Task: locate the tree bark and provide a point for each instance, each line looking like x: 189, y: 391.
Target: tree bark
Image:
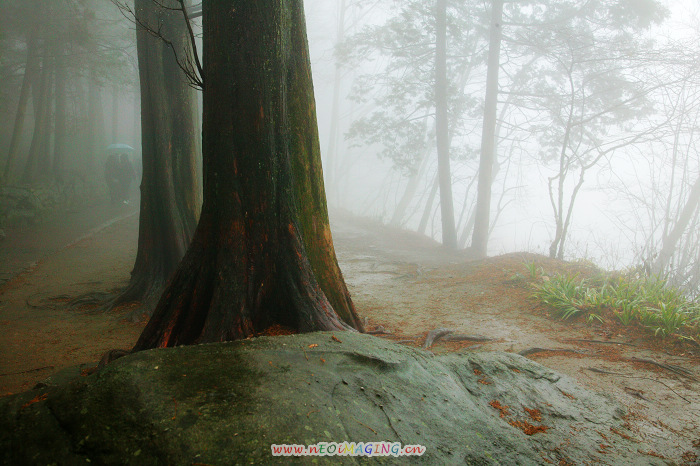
x: 248, y: 266
x: 480, y: 236
x: 307, y: 173
x: 170, y: 199
x: 449, y: 235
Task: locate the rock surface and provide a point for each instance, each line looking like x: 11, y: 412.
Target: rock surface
x: 224, y: 404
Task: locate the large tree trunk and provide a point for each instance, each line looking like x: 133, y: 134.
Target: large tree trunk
x: 480, y: 237
x: 29, y: 71
x: 247, y: 267
x: 170, y: 199
x: 307, y: 173
x: 449, y: 235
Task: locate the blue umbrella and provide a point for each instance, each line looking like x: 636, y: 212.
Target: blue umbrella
x: 112, y: 148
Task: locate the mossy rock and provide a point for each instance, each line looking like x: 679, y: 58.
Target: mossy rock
x: 225, y: 404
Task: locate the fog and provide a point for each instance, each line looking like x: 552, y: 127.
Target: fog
x: 612, y: 221
x: 517, y: 177
x: 620, y: 213
x: 615, y: 218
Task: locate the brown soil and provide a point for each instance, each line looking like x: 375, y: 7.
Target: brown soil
x: 401, y: 281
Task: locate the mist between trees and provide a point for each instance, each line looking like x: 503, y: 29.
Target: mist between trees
x: 556, y: 126
x: 584, y: 113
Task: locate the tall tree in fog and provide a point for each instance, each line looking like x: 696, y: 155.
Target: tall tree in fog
x: 673, y: 235
x: 482, y: 223
x: 332, y: 152
x: 170, y: 199
x: 30, y: 68
x: 449, y: 234
x: 403, y: 92
x: 251, y: 262
x: 41, y: 96
x: 677, y: 256
x: 586, y: 100
x: 53, y: 48
x: 662, y: 212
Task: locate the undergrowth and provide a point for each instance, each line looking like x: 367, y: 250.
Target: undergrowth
x: 649, y: 302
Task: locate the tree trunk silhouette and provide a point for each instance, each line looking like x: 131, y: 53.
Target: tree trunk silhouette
x: 41, y: 122
x: 248, y: 266
x: 96, y: 137
x: 29, y: 71
x: 170, y: 199
x: 332, y: 155
x: 60, y: 139
x: 449, y: 235
x: 480, y: 236
x: 428, y: 208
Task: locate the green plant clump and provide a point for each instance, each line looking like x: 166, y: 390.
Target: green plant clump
x: 649, y: 302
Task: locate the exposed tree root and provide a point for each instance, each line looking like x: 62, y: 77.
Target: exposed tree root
x: 110, y: 356
x: 27, y: 371
x: 669, y: 367
x: 462, y: 337
x: 90, y: 300
x: 142, y: 296
x: 601, y: 342
x: 95, y: 299
x: 379, y: 330
x: 449, y: 335
x: 529, y: 351
x: 434, y: 335
x: 602, y: 371
x: 636, y: 393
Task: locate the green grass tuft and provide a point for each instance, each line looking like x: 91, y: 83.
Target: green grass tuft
x: 648, y: 301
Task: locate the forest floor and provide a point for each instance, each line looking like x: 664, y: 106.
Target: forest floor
x: 400, y: 281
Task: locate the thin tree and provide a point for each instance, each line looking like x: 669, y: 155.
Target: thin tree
x: 30, y: 68
x: 673, y: 237
x: 482, y: 224
x: 449, y: 234
x: 248, y: 266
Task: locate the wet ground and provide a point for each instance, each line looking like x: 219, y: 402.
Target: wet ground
x: 401, y: 281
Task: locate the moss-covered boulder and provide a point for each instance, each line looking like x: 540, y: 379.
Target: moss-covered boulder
x: 225, y: 404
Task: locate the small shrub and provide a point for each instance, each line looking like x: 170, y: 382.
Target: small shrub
x: 533, y: 269
x: 648, y: 301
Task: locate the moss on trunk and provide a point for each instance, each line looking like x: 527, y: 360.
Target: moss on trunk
x: 248, y: 266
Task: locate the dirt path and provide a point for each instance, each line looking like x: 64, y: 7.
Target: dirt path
x: 24, y: 245
x: 398, y: 280
x: 38, y: 339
